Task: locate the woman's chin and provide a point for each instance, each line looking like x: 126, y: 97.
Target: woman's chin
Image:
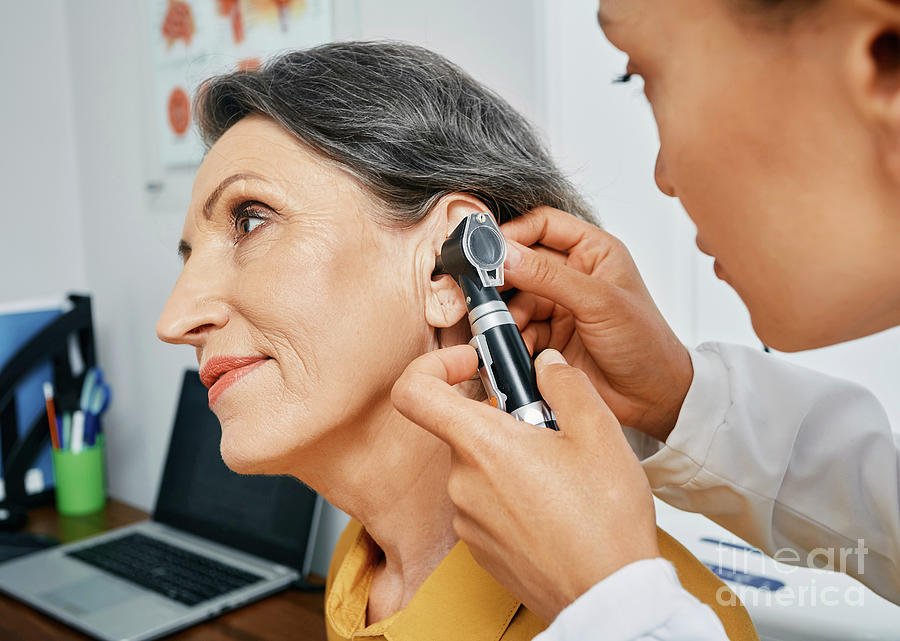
x: 241, y: 463
x: 245, y: 456
x: 247, y: 449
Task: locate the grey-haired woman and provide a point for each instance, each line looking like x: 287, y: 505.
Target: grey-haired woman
x: 332, y: 178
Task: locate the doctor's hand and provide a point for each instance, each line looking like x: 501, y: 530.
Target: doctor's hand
x: 581, y: 294
x: 549, y: 514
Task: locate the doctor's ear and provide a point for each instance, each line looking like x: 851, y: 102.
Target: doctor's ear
x: 877, y: 65
x: 444, y: 304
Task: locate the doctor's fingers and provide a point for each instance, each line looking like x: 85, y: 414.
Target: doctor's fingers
x: 528, y: 310
x: 526, y: 307
x: 587, y: 248
x: 557, y: 333
x: 424, y: 395
x: 557, y: 257
x: 560, y: 231
x: 592, y: 299
x: 536, y: 337
x: 580, y: 411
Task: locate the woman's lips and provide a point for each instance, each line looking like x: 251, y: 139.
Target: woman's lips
x: 220, y: 373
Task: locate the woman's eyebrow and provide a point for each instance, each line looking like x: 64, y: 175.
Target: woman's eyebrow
x: 184, y: 249
x: 217, y: 192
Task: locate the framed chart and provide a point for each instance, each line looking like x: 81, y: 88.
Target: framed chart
x: 191, y: 40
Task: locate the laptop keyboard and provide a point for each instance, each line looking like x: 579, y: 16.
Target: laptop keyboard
x: 165, y: 569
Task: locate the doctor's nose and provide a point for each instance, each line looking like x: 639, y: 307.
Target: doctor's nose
x: 195, y: 307
x: 662, y: 177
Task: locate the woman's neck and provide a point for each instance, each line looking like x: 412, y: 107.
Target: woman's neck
x: 392, y: 477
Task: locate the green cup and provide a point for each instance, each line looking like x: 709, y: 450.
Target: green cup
x: 79, y: 478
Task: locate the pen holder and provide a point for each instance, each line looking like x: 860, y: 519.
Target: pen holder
x: 80, y: 486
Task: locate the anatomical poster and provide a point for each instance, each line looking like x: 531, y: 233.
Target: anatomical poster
x: 194, y: 39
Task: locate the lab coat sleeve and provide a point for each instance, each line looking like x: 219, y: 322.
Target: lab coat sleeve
x: 642, y: 601
x: 802, y: 465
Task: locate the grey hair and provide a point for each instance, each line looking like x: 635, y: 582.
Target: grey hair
x: 407, y: 123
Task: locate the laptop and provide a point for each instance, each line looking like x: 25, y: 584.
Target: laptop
x: 216, y: 541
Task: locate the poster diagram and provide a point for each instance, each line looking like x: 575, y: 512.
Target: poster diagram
x: 194, y: 39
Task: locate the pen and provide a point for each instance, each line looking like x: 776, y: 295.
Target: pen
x: 51, y: 414
x: 67, y: 430
x: 77, y: 432
x: 87, y: 390
x: 91, y: 425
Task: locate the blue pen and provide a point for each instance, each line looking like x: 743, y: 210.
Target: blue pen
x: 90, y: 428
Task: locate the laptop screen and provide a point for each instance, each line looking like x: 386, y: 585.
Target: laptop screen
x: 269, y: 516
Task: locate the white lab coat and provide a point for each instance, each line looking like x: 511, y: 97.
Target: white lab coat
x: 782, y: 456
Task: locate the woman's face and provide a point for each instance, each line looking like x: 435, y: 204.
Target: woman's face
x: 287, y: 273
x: 764, y: 139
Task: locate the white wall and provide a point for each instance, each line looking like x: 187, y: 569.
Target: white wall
x: 604, y: 136
x: 41, y: 248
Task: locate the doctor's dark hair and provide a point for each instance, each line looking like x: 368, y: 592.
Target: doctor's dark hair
x: 408, y: 124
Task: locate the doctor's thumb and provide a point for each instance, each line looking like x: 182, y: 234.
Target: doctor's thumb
x: 571, y: 395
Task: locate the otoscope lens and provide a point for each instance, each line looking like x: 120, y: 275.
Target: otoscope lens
x: 485, y: 246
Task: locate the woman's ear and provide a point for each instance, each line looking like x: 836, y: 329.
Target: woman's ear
x: 444, y: 304
x: 444, y: 307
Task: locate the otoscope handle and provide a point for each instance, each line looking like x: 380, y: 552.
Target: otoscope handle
x: 505, y: 366
x: 473, y: 255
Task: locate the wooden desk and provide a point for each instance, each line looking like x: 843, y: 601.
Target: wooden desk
x: 290, y: 615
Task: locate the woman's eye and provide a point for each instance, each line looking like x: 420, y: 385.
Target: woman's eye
x: 249, y: 223
x: 623, y: 78
x: 246, y: 218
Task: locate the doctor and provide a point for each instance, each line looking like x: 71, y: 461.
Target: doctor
x: 779, y: 123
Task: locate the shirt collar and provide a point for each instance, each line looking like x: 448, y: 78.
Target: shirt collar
x: 459, y: 600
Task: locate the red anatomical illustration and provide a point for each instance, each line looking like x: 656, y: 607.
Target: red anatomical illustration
x: 178, y: 23
x: 231, y: 9
x: 179, y: 111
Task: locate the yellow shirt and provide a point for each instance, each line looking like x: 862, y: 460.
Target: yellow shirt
x: 460, y: 601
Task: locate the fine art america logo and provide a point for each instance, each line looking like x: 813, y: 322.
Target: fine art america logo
x: 740, y: 561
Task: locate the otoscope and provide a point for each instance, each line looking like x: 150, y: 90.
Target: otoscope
x: 473, y: 255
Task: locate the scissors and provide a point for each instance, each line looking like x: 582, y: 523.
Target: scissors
x: 96, y: 395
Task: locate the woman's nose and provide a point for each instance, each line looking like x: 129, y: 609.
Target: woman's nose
x: 194, y: 309
x: 662, y: 178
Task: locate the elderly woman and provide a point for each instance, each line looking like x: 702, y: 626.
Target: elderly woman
x: 332, y: 178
